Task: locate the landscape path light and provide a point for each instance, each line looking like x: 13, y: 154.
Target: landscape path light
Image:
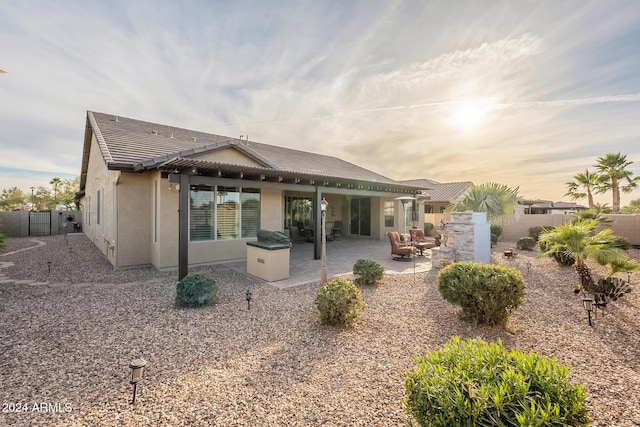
x: 137, y: 372
x: 588, y: 306
x: 248, y: 296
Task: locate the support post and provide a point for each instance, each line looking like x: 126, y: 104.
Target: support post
x: 183, y: 226
x: 317, y: 228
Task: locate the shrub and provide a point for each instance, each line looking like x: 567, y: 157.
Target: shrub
x: 496, y: 229
x: 534, y: 232
x: 526, y: 244
x: 369, y: 272
x: 494, y: 239
x: 428, y: 228
x: 487, y: 293
x: 474, y: 383
x: 195, y: 290
x: 339, y: 302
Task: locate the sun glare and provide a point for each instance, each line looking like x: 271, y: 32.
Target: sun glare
x: 469, y: 114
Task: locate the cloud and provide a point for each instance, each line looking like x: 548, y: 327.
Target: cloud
x: 374, y: 82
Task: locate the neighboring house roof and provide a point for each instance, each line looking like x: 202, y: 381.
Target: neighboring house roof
x: 440, y: 191
x: 548, y: 204
x: 135, y: 146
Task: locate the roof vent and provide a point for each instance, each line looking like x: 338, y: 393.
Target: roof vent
x: 154, y: 132
x: 117, y: 119
x: 194, y: 139
x: 172, y: 137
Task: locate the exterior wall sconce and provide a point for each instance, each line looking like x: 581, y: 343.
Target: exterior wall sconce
x: 323, y: 209
x: 137, y: 371
x: 588, y: 306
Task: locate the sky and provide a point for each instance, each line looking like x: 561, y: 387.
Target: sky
x: 523, y: 93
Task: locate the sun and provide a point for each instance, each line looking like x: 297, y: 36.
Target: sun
x: 469, y: 114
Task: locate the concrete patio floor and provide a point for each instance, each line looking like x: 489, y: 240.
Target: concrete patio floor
x: 341, y: 256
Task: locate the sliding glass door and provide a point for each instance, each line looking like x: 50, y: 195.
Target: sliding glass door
x: 361, y: 216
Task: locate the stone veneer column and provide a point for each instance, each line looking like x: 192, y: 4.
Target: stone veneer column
x: 462, y: 242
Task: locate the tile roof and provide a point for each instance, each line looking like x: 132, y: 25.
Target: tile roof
x: 440, y: 191
x: 134, y: 145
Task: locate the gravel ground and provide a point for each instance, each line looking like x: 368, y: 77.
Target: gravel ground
x: 68, y: 342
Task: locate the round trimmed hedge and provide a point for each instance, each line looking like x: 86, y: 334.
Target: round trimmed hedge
x: 487, y: 293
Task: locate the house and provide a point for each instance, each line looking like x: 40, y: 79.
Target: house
x: 437, y: 197
x: 151, y: 193
x: 540, y: 207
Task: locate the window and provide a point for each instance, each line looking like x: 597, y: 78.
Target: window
x: 389, y: 213
x: 250, y: 210
x: 223, y: 213
x: 298, y: 210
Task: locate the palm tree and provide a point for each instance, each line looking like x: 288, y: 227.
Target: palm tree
x: 586, y: 181
x: 577, y: 242
x: 613, y: 171
x: 496, y: 200
x: 55, y: 182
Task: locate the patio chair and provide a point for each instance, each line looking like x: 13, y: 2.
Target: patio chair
x: 403, y: 252
x: 420, y: 240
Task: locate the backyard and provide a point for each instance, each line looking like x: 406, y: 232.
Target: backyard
x: 69, y: 331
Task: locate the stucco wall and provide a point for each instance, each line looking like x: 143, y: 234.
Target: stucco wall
x: 271, y: 209
x: 133, y: 193
x: 100, y: 179
x: 517, y: 226
x: 165, y: 250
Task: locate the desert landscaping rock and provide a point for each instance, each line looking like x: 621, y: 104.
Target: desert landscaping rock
x: 70, y: 339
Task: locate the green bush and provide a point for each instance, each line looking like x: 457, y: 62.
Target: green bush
x: 494, y: 239
x: 534, y: 232
x: 496, y: 229
x: 428, y: 228
x: 369, y: 272
x: 474, y: 383
x: 339, y: 302
x: 487, y: 293
x: 195, y: 290
x: 526, y: 244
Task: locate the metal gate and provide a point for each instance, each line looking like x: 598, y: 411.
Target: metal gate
x: 39, y: 223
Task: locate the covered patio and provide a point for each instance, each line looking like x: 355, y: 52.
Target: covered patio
x: 341, y: 256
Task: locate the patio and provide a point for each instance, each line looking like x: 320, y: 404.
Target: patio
x: 341, y: 256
